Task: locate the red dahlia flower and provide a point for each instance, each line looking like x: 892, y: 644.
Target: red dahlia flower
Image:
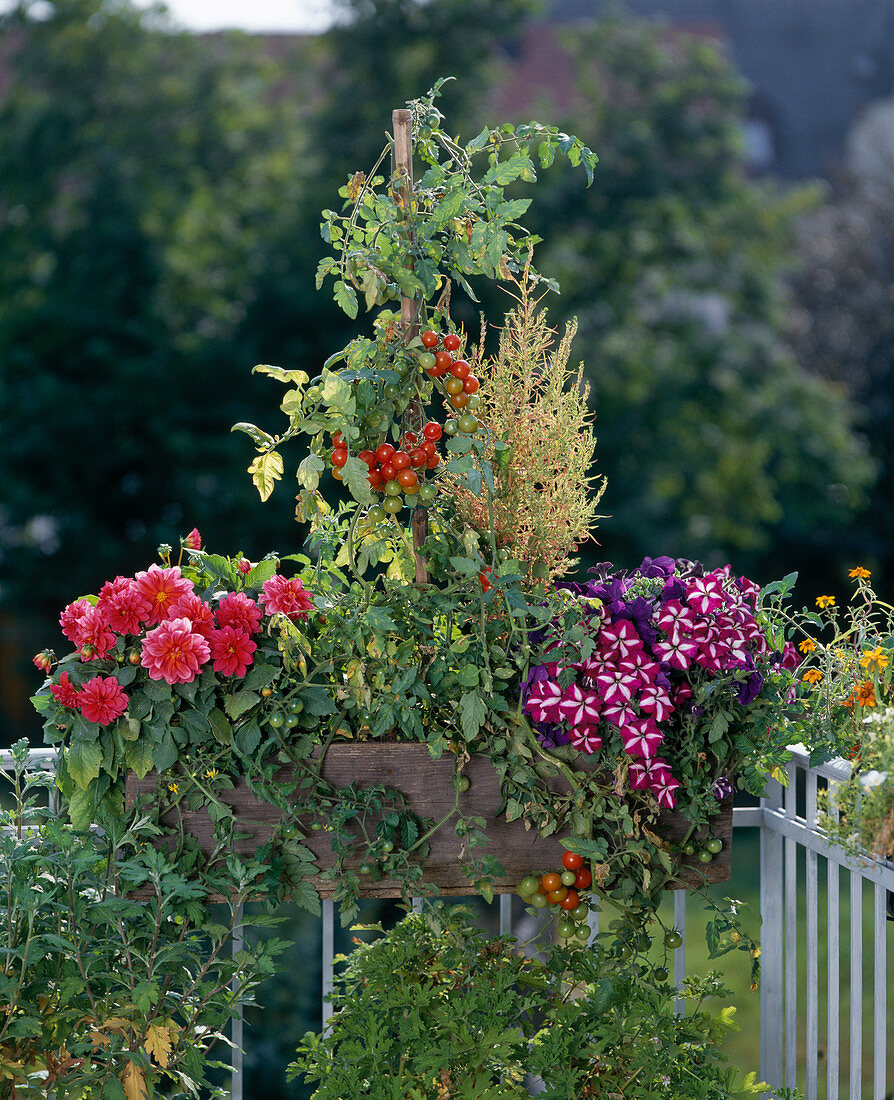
x: 101, y: 700
x: 174, y: 652
x: 162, y: 588
x: 286, y: 595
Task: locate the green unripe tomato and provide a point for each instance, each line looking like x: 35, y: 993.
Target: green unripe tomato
x: 427, y: 493
x: 392, y: 488
x: 392, y: 505
x: 372, y: 420
x: 295, y: 706
x: 461, y: 783
x: 365, y: 868
x: 451, y: 427
x: 660, y: 974
x: 539, y: 901
x: 582, y: 935
x: 376, y: 514
x: 581, y: 912
x: 290, y: 721
x: 566, y: 929
x: 673, y: 940
x: 568, y: 878
x: 705, y: 856
x: 528, y: 886
x: 392, y: 390
x: 276, y: 720
x: 689, y: 848
x: 426, y: 360
x: 453, y: 386
x: 425, y: 132
x: 388, y: 846
x: 642, y: 942
x: 714, y: 845
x: 474, y: 403
x: 625, y: 951
x: 467, y: 423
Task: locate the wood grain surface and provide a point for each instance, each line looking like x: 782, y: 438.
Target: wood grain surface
x: 428, y: 787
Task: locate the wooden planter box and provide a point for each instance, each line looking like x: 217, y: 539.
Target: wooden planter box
x: 427, y: 785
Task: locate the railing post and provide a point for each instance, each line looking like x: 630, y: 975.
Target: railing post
x: 772, y: 940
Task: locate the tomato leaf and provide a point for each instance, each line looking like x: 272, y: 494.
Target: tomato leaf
x: 266, y: 470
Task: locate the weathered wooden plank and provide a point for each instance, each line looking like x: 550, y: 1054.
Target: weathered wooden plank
x: 427, y: 785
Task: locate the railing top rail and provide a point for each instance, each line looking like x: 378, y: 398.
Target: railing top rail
x: 40, y: 759
x: 837, y: 768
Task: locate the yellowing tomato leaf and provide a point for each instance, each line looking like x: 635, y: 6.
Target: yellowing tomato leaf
x: 266, y: 470
x: 133, y: 1082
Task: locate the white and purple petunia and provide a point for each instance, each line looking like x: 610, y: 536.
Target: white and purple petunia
x: 579, y: 707
x: 585, y: 739
x: 641, y: 738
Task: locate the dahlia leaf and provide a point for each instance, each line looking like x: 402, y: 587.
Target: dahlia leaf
x: 84, y: 760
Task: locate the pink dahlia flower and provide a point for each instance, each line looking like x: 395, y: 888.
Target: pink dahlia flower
x: 93, y: 636
x: 71, y: 616
x: 162, y: 588
x: 232, y: 651
x: 102, y: 700
x: 65, y: 692
x: 174, y: 652
x: 43, y: 660
x: 197, y: 611
x: 124, y: 607
x: 286, y: 595
x: 238, y: 610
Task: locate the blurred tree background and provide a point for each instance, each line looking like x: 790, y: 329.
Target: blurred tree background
x: 159, y: 208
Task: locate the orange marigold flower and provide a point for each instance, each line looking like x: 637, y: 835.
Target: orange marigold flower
x: 848, y: 702
x: 812, y: 676
x: 859, y: 572
x: 866, y: 694
x: 875, y: 659
x: 807, y: 646
x: 825, y: 601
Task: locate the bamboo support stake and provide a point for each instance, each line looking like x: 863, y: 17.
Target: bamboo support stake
x: 401, y: 120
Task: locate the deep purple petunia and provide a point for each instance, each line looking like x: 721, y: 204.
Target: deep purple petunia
x: 656, y: 567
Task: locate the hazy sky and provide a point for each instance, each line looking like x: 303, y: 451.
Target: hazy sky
x: 252, y: 15
x: 249, y: 15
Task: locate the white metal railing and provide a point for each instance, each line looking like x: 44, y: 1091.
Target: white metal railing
x: 785, y: 832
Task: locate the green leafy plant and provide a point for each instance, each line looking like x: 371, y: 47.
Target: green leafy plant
x: 104, y: 994
x: 435, y: 1009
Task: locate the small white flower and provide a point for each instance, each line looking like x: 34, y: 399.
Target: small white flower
x: 872, y: 779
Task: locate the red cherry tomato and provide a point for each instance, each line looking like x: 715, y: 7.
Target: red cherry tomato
x: 432, y: 462
x: 400, y: 460
x: 338, y: 440
x: 558, y: 896
x: 571, y: 861
x: 429, y: 446
x: 408, y: 478
x: 461, y: 369
x: 551, y: 881
x: 471, y: 384
x: 571, y: 900
x: 410, y: 440
x: 384, y: 451
x: 486, y: 585
x: 443, y: 361
x: 432, y: 431
x: 375, y: 479
x: 369, y: 457
x: 388, y: 471
x: 583, y: 880
x: 340, y: 457
x: 451, y: 341
x: 459, y: 400
x: 429, y: 339
x: 418, y: 458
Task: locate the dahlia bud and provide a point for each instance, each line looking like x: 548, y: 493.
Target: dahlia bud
x: 44, y: 660
x: 244, y: 565
x: 193, y: 540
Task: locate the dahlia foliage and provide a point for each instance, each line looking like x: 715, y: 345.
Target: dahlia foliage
x: 651, y: 647
x: 158, y: 621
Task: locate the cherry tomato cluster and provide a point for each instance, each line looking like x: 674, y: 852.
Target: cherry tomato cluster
x: 563, y: 889
x: 397, y: 472
x: 454, y: 377
x: 705, y: 850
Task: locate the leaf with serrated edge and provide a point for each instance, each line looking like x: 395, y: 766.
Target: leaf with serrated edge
x: 157, y: 1044
x: 133, y: 1082
x: 266, y: 470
